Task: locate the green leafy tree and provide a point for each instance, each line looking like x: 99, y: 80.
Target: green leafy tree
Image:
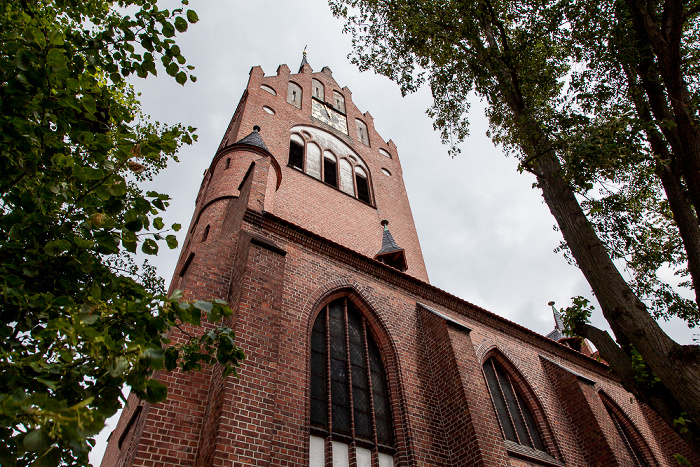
x: 599, y: 100
x: 80, y: 318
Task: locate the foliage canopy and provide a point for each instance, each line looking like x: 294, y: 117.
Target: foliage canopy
x: 599, y: 100
x: 80, y: 318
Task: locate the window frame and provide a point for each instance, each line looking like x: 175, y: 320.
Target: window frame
x: 368, y: 324
x: 351, y: 158
x: 630, y: 436
x: 524, y: 395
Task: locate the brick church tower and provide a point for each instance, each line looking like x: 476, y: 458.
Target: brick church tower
x: 302, y: 224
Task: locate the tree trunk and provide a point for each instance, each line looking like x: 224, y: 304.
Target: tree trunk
x: 626, y: 314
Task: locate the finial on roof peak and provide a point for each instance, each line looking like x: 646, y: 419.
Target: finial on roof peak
x: 303, y: 60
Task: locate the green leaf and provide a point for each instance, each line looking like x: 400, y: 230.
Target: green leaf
x: 172, y: 69
x: 56, y: 247
x: 118, y: 188
x: 180, y: 24
x: 206, y: 307
x: 36, y: 441
x: 192, y: 16
x: 171, y: 240
x: 181, y: 78
x: 150, y: 247
x: 168, y: 29
x: 155, y: 357
x: 176, y: 227
x: 170, y: 360
x: 155, y: 391
x: 89, y: 104
x: 158, y: 223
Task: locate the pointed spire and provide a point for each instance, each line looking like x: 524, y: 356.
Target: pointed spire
x: 391, y: 253
x: 558, y: 331
x: 254, y: 139
x: 303, y: 60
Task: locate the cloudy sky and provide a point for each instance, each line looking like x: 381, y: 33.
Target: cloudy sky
x: 486, y: 235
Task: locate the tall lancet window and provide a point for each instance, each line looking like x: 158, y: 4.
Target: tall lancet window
x: 515, y: 414
x: 636, y: 447
x: 349, y: 396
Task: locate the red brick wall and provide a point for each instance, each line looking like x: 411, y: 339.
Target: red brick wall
x: 277, y: 260
x: 310, y: 203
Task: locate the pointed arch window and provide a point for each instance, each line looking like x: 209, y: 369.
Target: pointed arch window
x: 631, y: 438
x: 328, y: 159
x: 514, y: 413
x: 349, y: 393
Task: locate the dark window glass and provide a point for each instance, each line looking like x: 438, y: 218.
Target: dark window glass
x: 330, y: 175
x: 296, y: 155
x: 499, y: 403
x: 514, y: 414
x: 362, y: 188
x: 318, y: 372
x: 358, y: 392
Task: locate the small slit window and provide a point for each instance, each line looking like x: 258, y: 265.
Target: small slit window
x: 186, y: 266
x: 205, y: 235
x: 362, y: 185
x: 362, y: 135
x: 296, y: 154
x: 317, y: 89
x: 228, y: 163
x: 330, y: 170
x: 294, y: 94
x: 130, y: 424
x: 338, y: 101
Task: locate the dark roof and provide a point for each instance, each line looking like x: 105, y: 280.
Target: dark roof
x: 253, y: 139
x: 558, y: 331
x: 390, y: 253
x: 303, y: 62
x: 388, y: 243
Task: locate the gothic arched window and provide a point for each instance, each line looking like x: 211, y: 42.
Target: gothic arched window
x: 349, y: 404
x: 328, y: 159
x: 631, y: 438
x: 513, y: 410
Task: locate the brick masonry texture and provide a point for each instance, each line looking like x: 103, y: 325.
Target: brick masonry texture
x: 279, y: 246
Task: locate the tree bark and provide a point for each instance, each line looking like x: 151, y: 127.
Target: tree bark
x: 664, y: 38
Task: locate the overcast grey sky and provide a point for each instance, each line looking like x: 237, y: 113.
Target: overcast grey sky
x: 486, y: 235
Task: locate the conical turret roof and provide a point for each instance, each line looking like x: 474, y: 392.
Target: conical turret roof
x: 391, y: 253
x: 303, y: 61
x: 254, y: 139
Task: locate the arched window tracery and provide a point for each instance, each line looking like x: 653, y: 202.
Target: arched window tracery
x: 326, y: 158
x: 349, y: 398
x: 637, y: 448
x: 519, y: 415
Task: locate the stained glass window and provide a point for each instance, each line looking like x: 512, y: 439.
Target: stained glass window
x: 347, y: 376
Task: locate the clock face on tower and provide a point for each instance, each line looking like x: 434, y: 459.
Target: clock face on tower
x: 329, y: 116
